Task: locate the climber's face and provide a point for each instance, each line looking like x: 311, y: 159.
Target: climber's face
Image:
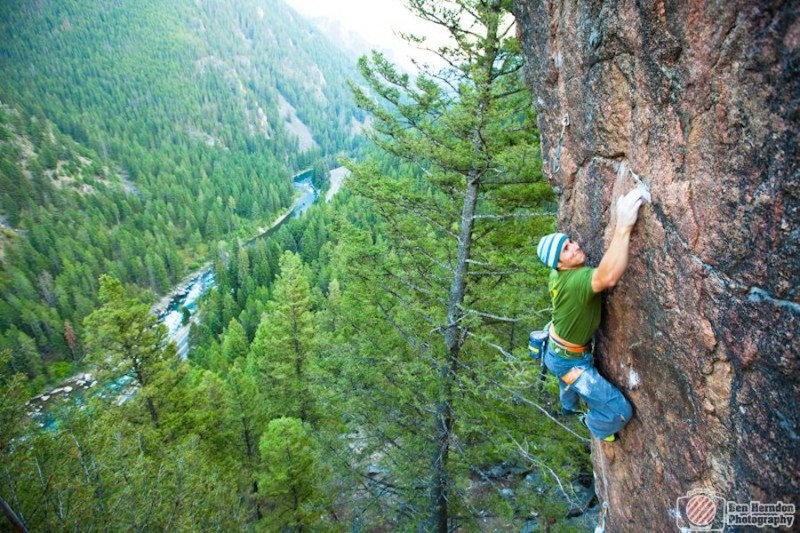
x: 572, y: 256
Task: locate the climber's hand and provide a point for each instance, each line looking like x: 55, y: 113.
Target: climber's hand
x: 628, y: 208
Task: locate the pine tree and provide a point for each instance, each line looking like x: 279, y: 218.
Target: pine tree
x: 284, y: 348
x: 123, y: 338
x: 246, y: 413
x: 12, y: 404
x: 290, y: 475
x: 453, y: 277
x: 234, y: 344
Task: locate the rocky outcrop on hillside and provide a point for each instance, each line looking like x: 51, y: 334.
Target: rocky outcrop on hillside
x: 701, y: 101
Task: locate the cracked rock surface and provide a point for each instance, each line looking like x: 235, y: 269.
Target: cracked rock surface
x: 701, y: 101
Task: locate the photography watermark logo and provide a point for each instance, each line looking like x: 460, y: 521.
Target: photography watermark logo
x: 771, y: 515
x: 704, y: 510
x: 701, y: 510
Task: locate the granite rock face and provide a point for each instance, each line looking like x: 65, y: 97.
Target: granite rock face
x: 701, y: 100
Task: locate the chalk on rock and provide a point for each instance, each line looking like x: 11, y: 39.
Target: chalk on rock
x: 645, y: 192
x: 641, y: 185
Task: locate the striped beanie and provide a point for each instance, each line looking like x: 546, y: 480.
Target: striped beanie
x: 549, y: 248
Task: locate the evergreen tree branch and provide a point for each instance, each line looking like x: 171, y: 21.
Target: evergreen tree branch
x: 12, y: 517
x: 476, y: 274
x: 511, y: 25
x: 512, y: 216
x: 515, y: 394
x: 494, y: 317
x: 524, y: 452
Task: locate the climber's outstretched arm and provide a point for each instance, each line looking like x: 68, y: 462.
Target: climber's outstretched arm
x: 615, y: 260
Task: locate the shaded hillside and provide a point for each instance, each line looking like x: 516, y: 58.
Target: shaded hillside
x: 204, y: 71
x: 701, y: 334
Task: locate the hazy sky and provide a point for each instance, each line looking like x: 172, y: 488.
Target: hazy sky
x: 376, y: 21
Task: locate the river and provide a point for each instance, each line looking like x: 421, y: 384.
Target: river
x: 170, y: 312
x: 191, y: 290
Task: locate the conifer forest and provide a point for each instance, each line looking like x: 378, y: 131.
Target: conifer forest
x: 360, y: 367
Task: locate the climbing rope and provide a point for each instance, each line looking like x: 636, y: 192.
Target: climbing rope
x: 557, y: 158
x: 601, y: 521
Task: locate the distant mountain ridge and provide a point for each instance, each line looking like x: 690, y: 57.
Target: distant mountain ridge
x: 345, y: 38
x: 168, y: 57
x: 354, y: 44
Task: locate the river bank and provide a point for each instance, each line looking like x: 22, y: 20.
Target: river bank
x: 337, y: 177
x: 170, y: 311
x: 180, y: 291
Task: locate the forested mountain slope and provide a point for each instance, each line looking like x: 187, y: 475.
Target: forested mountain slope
x: 364, y: 367
x: 134, y: 134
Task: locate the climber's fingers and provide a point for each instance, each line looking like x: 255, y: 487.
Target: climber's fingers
x: 628, y: 207
x: 636, y: 195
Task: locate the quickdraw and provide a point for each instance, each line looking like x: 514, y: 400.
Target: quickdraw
x: 557, y: 158
x: 601, y: 520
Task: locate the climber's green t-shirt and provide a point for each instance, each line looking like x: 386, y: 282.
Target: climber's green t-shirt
x: 576, y: 307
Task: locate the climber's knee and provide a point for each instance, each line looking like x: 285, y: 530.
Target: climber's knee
x: 599, y: 394
x: 626, y: 411
x: 620, y: 411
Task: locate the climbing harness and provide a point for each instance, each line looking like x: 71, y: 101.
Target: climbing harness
x: 566, y: 349
x: 557, y: 158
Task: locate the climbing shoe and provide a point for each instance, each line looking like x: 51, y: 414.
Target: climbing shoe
x: 582, y: 418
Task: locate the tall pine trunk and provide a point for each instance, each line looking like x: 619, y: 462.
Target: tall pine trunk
x: 443, y: 421
x: 452, y: 136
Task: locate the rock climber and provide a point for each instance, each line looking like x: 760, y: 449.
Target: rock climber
x: 575, y: 291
